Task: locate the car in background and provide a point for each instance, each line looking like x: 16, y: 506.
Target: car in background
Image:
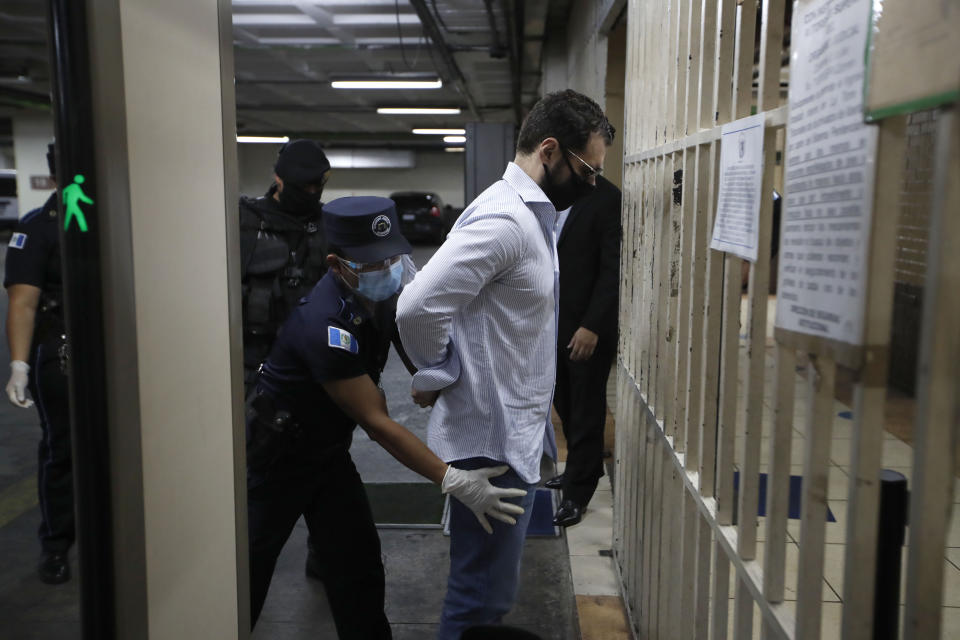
x: 9, y: 209
x: 423, y: 215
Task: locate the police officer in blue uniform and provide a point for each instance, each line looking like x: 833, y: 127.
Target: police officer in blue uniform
x: 37, y: 342
x: 318, y: 383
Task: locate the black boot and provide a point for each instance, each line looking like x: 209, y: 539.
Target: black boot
x: 569, y: 513
x: 54, y: 568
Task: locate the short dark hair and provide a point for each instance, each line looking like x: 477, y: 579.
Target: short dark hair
x: 568, y: 116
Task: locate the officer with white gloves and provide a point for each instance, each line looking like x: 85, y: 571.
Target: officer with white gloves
x: 37, y: 341
x: 318, y: 383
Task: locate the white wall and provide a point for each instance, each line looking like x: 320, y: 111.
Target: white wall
x: 31, y: 135
x: 579, y: 62
x: 436, y: 171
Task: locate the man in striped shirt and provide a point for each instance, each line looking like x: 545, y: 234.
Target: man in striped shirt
x: 479, y: 321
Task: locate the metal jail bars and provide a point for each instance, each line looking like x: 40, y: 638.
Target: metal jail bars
x: 700, y: 397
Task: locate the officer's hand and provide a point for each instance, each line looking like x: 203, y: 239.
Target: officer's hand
x: 473, y: 488
x: 582, y: 344
x: 424, y: 398
x: 17, y: 385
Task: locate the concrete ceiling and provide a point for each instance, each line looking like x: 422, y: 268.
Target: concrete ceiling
x: 286, y: 53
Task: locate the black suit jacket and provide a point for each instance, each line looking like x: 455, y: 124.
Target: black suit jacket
x: 589, y: 250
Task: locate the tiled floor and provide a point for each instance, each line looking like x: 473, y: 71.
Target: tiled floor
x: 599, y: 605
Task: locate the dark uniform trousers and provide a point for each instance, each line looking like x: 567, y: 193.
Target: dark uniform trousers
x: 329, y: 493
x: 580, y: 399
x: 48, y: 387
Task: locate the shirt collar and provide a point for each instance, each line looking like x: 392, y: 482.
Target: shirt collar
x: 529, y: 191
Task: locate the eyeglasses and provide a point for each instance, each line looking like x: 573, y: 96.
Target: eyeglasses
x: 591, y: 172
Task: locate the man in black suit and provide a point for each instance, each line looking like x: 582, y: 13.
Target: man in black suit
x: 589, y: 250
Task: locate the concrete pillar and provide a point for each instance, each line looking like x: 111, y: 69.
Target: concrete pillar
x: 490, y: 147
x: 163, y: 112
x: 31, y: 135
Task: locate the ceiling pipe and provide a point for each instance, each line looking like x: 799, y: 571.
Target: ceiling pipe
x: 433, y: 32
x: 496, y: 46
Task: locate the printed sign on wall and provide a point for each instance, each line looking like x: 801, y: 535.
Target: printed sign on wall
x: 741, y: 175
x: 829, y: 174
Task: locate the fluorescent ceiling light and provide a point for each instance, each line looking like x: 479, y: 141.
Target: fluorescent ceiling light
x: 460, y: 139
x: 325, y: 3
x: 296, y: 41
x: 379, y: 40
x: 272, y: 19
x: 416, y: 111
x: 359, y: 19
x: 264, y: 139
x: 454, y: 149
x: 360, y: 42
x: 439, y: 132
x: 387, y: 84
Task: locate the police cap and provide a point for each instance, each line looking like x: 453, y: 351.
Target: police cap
x: 302, y: 162
x: 364, y: 227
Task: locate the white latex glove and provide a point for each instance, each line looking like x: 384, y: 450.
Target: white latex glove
x: 473, y: 488
x: 17, y: 385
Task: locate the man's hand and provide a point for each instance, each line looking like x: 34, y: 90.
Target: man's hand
x: 17, y: 385
x: 473, y: 488
x: 582, y: 344
x: 424, y: 398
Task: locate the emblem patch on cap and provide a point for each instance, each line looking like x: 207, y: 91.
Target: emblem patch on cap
x: 381, y: 226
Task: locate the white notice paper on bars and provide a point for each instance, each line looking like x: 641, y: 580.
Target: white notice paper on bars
x: 829, y: 174
x: 741, y: 174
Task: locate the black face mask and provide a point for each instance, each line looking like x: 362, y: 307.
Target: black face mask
x: 298, y: 201
x: 564, y: 195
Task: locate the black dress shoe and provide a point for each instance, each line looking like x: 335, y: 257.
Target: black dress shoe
x: 555, y: 482
x: 54, y: 568
x: 569, y: 513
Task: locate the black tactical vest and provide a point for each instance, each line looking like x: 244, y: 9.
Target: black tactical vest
x: 282, y: 258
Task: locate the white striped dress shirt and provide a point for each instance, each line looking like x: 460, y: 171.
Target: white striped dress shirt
x: 479, y: 321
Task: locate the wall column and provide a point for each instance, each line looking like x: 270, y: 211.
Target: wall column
x: 163, y: 113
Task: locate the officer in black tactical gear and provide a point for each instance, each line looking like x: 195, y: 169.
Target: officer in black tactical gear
x: 283, y: 253
x: 283, y: 248
x: 37, y: 341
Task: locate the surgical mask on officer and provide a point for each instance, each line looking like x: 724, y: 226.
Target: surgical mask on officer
x: 564, y: 194
x: 298, y: 201
x: 378, y: 285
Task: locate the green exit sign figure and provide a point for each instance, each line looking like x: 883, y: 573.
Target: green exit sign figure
x: 73, y: 195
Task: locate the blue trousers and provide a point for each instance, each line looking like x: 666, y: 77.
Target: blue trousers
x: 484, y: 568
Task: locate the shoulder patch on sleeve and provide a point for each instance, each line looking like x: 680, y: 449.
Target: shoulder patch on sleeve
x: 18, y: 240
x: 341, y: 339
